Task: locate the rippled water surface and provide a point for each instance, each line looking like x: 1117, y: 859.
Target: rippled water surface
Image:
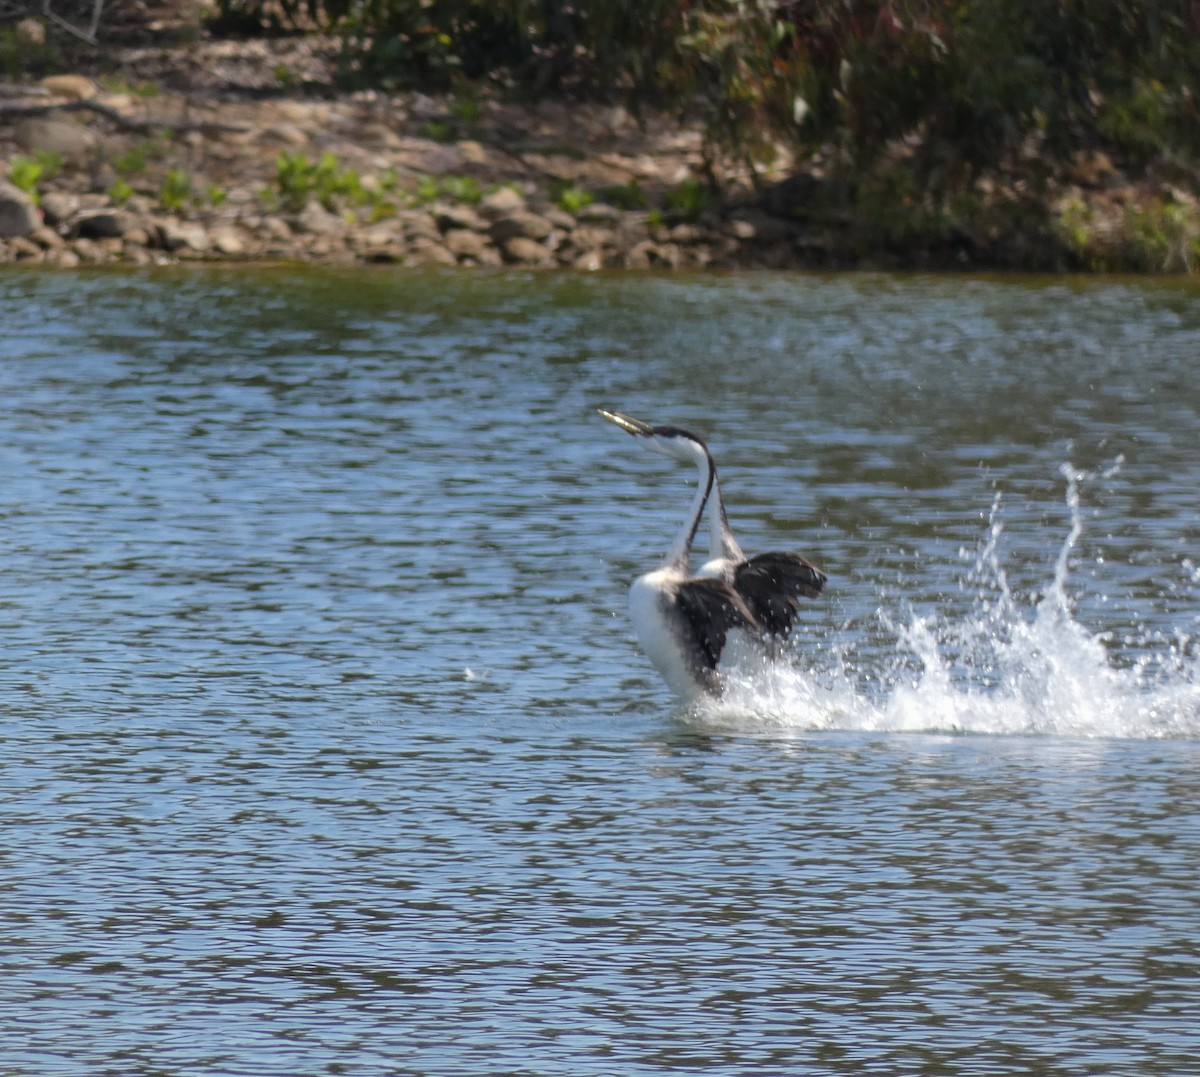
x: 326, y: 747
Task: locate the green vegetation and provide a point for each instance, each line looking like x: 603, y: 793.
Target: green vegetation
x: 176, y: 190
x: 342, y: 190
x: 933, y: 125
x: 138, y: 158
x: 948, y: 89
x: 120, y: 192
x: 21, y: 54
x: 28, y: 173
x: 25, y: 173
x: 452, y: 188
x: 626, y: 196
x: 119, y: 84
x: 689, y: 201
x: 298, y: 180
x: 570, y: 197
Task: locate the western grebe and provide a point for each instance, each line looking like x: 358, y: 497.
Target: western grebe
x: 682, y: 621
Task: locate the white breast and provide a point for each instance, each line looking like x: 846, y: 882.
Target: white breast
x: 655, y: 619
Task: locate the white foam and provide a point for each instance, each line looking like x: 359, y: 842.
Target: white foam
x: 1005, y: 667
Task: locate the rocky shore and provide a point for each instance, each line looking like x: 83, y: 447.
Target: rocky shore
x: 239, y: 150
x: 127, y: 175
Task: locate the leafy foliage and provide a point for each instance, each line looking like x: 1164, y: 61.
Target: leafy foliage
x: 945, y: 89
x: 324, y: 180
x: 25, y: 173
x: 28, y: 173
x: 176, y: 190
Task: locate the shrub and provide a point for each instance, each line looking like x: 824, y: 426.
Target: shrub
x: 950, y: 89
x: 176, y: 190
x: 299, y: 179
x: 25, y: 173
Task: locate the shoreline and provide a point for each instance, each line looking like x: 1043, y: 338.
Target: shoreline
x: 120, y: 171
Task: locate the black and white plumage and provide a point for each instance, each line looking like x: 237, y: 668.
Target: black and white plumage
x: 683, y: 620
x: 771, y: 584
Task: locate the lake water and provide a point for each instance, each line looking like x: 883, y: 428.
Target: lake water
x: 326, y: 746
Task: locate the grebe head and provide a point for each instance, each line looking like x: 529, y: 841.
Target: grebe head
x: 667, y: 440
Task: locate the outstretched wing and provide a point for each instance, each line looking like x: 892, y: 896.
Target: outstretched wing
x: 771, y: 585
x: 711, y: 608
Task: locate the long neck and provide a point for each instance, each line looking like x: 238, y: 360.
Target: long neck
x: 721, y: 542
x: 679, y: 554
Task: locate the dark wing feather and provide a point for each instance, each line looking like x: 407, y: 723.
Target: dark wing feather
x: 771, y: 585
x: 711, y: 608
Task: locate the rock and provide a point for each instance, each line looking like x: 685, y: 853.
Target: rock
x: 226, y: 241
x: 320, y: 247
x: 378, y: 235
x: 316, y: 220
x: 141, y: 205
x: 759, y: 227
x: 668, y: 254
x: 63, y: 257
x: 88, y: 250
x: 276, y: 228
x: 379, y: 135
x: 47, y: 238
x: 502, y: 202
x: 416, y: 222
x: 524, y: 251
x: 125, y: 105
x: 75, y: 87
x: 285, y: 134
x: 428, y: 253
x: 491, y: 257
x: 432, y: 158
x: 135, y: 255
x: 473, y: 152
x: 599, y: 213
x: 640, y: 255
x: 450, y: 216
x: 137, y: 236
x: 18, y: 215
x: 384, y: 255
x: 30, y: 33
x: 102, y: 224
x: 463, y: 243
x: 73, y: 142
x: 183, y: 235
x: 560, y: 218
x: 25, y: 250
x: 520, y: 224
x: 587, y: 239
x: 58, y: 207
x: 242, y: 196
x: 685, y: 233
x: 589, y: 262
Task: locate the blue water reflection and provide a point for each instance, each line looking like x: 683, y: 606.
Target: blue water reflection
x: 326, y: 746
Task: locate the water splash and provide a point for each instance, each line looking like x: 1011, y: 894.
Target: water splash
x: 1008, y: 666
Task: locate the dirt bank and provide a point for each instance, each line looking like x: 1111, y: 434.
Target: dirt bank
x: 212, y: 149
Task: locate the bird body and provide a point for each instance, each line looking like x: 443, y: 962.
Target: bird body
x: 682, y: 620
x: 666, y: 606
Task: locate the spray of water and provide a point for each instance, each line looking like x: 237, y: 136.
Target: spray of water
x: 1008, y: 666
